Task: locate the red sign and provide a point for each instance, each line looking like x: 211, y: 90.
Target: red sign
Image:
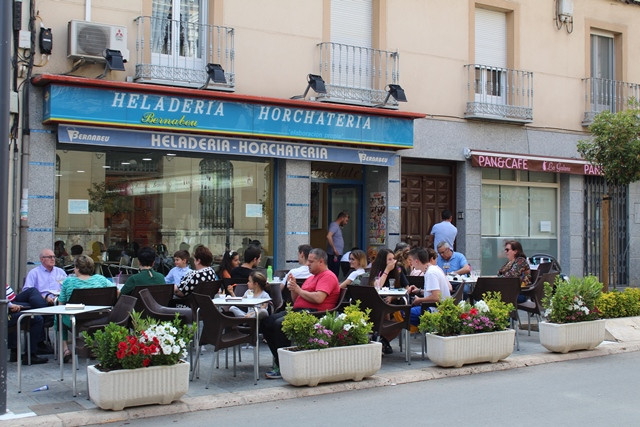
x: 535, y: 165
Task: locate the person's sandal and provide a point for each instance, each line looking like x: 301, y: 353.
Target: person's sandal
x: 67, y: 356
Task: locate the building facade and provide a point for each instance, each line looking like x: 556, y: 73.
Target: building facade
x: 223, y: 122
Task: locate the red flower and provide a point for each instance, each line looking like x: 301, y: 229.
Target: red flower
x: 473, y: 311
x: 146, y: 362
x: 464, y: 316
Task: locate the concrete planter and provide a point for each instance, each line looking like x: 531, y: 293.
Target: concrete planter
x: 311, y: 367
x: 566, y: 337
x: 475, y: 348
x: 134, y: 387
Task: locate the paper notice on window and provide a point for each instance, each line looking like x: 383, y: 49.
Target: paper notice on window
x: 78, y: 206
x: 545, y: 226
x: 253, y: 210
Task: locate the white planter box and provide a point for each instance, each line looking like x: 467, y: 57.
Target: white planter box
x: 133, y: 387
x: 475, y: 348
x: 311, y: 367
x: 565, y: 337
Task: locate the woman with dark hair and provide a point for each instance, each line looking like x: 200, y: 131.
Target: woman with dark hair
x: 202, y: 259
x: 384, y: 268
x: 230, y: 260
x: 147, y: 275
x: 517, y: 264
x: 84, y: 269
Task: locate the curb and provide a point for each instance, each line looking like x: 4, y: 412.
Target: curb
x: 285, y: 392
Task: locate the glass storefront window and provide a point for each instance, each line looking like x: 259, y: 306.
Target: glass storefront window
x: 127, y: 200
x: 518, y: 205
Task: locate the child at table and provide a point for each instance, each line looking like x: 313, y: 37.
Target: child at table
x: 256, y: 284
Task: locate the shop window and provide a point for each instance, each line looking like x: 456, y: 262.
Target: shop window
x: 216, y: 198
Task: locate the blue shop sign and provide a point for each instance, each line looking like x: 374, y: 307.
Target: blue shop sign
x: 209, y: 144
x: 83, y: 105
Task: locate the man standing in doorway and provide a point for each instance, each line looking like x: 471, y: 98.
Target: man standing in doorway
x: 335, y: 242
x: 443, y: 231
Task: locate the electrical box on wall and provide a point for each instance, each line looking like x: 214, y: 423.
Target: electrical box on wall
x: 13, y: 103
x: 24, y: 39
x: 565, y: 8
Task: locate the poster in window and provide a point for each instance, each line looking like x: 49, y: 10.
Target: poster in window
x: 378, y: 218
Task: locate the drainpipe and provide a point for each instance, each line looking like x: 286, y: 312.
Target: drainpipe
x: 87, y: 10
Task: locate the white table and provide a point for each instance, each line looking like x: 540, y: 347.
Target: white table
x: 387, y: 292
x: 246, y: 302
x: 58, y: 310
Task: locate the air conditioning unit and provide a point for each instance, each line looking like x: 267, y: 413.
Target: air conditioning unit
x: 88, y: 40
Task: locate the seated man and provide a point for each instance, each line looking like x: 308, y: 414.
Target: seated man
x: 452, y: 262
x: 147, y: 275
x: 251, y: 260
x: 46, y: 278
x: 319, y: 292
x: 27, y: 299
x: 301, y: 272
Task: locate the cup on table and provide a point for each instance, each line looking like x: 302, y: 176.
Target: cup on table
x: 475, y: 274
x: 392, y: 283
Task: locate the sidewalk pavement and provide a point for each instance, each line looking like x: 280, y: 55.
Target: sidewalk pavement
x: 57, y: 407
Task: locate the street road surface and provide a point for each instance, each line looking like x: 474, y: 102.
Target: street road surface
x: 589, y: 392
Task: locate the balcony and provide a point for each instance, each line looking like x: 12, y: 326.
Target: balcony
x: 606, y: 95
x: 357, y: 75
x: 500, y: 94
x: 176, y: 53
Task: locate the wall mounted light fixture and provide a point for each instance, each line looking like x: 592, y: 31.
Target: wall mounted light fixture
x: 314, y: 82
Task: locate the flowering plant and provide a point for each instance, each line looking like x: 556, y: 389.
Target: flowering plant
x: 487, y: 315
x: 572, y: 301
x: 332, y: 330
x: 150, y: 344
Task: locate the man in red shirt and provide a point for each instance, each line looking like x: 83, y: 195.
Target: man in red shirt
x: 319, y: 292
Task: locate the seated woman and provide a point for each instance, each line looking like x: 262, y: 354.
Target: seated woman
x: 516, y: 266
x: 436, y: 287
x: 257, y: 284
x: 202, y: 259
x: 84, y: 269
x: 357, y: 262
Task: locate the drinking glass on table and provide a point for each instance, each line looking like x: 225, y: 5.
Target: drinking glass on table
x: 392, y: 283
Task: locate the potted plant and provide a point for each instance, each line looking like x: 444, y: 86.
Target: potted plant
x: 333, y: 348
x: 141, y: 367
x: 572, y: 315
x: 464, y: 333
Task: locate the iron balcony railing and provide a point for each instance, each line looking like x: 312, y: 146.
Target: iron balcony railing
x: 176, y: 52
x: 497, y: 93
x: 356, y: 74
x: 606, y: 95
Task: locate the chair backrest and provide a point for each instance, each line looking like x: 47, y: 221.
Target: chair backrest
x: 123, y: 308
x: 417, y: 281
x: 280, y: 273
x: 337, y: 307
x: 162, y: 294
x: 275, y: 292
x: 208, y: 288
x: 458, y: 294
x: 509, y: 288
x: 215, y: 323
x: 94, y: 296
x: 151, y: 308
x: 369, y: 298
x: 240, y: 289
x: 300, y: 282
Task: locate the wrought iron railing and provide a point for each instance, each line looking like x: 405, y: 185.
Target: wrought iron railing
x: 177, y: 52
x: 497, y: 93
x: 606, y: 95
x: 357, y: 75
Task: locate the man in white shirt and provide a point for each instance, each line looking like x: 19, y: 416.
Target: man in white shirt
x: 301, y: 272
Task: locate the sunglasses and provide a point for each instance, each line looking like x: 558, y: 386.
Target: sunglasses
x: 507, y: 249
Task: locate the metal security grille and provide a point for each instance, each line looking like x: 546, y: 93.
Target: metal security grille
x: 594, y: 189
x: 216, y: 194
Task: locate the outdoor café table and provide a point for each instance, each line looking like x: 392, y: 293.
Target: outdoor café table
x: 387, y: 292
x: 59, y: 310
x: 246, y: 302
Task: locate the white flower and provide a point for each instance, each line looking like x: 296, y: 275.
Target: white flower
x: 342, y: 316
x: 176, y: 349
x: 348, y: 326
x: 482, y: 306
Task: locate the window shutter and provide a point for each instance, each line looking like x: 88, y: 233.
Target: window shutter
x: 351, y: 22
x: 491, y: 38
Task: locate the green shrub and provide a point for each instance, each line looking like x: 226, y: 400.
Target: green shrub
x: 620, y: 304
x: 572, y: 301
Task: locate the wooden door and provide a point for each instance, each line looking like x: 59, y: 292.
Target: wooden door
x: 423, y: 198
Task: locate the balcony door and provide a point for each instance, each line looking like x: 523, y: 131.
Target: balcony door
x: 491, y: 56
x: 178, y: 39
x: 603, y: 93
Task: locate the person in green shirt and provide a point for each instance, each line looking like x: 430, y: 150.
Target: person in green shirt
x: 147, y: 275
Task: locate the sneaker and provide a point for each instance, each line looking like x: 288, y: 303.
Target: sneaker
x: 386, y: 347
x: 44, y: 348
x: 35, y: 359
x: 528, y: 304
x: 273, y: 374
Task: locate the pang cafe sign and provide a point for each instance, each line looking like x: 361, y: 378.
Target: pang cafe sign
x: 555, y: 165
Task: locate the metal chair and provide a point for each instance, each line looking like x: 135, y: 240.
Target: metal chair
x: 509, y: 288
x: 222, y: 332
x: 382, y: 313
x: 536, y: 292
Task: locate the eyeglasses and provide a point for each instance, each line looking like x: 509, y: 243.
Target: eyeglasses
x: 48, y: 256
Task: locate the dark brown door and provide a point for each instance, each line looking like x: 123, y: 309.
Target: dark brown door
x: 423, y: 198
